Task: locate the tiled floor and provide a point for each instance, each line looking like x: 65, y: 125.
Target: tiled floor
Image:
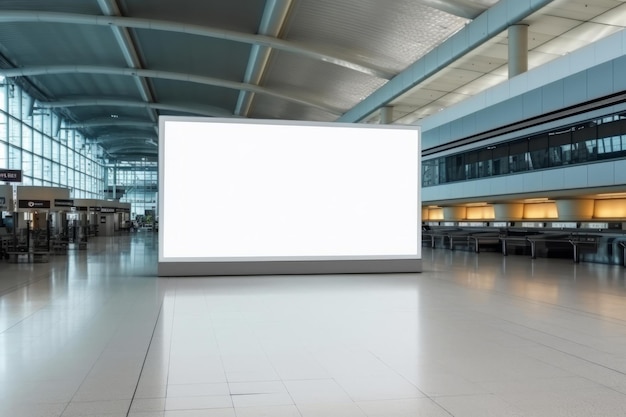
x: 96, y: 333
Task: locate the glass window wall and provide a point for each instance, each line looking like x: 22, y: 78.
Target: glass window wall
x: 28, y: 141
x: 592, y: 140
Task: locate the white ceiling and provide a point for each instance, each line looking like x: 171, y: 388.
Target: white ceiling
x: 554, y: 31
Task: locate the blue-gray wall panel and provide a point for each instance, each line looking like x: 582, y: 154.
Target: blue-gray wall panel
x: 469, y: 124
x: 600, y: 174
x: 532, y: 104
x: 553, y: 96
x: 576, y: 177
x: 600, y: 80
x: 575, y: 89
x: 445, y: 132
x: 553, y: 179
x: 456, y: 129
x: 517, y: 107
x: 620, y: 172
x: 433, y: 138
x: 444, y: 52
x: 619, y: 74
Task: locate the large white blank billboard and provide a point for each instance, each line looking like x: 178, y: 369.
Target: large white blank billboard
x: 241, y: 196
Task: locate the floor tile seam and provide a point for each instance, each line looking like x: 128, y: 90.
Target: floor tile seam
x: 173, y: 291
x: 145, y: 358
x: 217, y: 344
x: 430, y: 398
x: 43, y: 307
x: 543, y: 332
x: 501, y: 398
x: 503, y: 294
x: 599, y: 385
x: 282, y: 381
x: 86, y: 377
x: 298, y: 406
x: 576, y: 312
x: 26, y: 283
x: 403, y: 377
x: 571, y: 355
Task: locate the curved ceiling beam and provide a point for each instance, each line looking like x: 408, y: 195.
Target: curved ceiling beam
x: 132, y: 156
x: 110, y: 122
x: 129, y: 51
x: 146, y: 146
x: 124, y: 136
x: 273, y: 21
x: 127, y: 142
x: 461, y: 8
x: 12, y: 16
x: 164, y: 75
x: 82, y: 102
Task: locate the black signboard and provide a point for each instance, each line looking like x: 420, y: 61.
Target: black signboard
x: 81, y: 208
x: 33, y: 204
x: 63, y: 203
x: 11, y: 175
x: 122, y: 210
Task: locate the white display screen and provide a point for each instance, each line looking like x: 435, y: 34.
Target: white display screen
x: 241, y: 189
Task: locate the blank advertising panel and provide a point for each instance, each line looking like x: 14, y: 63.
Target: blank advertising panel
x: 246, y: 197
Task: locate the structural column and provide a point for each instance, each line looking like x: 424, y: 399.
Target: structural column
x: 518, y: 49
x: 386, y: 115
x: 580, y: 209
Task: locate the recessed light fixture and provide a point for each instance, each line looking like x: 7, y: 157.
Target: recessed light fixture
x: 114, y: 116
x: 612, y: 195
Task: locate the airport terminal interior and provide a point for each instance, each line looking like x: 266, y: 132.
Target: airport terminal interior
x: 517, y: 307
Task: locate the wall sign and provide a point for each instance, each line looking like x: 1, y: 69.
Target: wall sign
x: 107, y: 210
x: 11, y: 175
x: 63, y: 203
x: 33, y: 204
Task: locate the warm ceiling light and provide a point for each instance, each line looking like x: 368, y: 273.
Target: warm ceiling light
x: 612, y: 195
x: 536, y: 200
x: 476, y: 204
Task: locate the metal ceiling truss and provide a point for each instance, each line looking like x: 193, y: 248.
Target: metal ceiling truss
x: 130, y: 149
x: 165, y: 75
x: 208, y: 111
x: 110, y: 122
x: 461, y: 8
x: 273, y: 20
x: 14, y: 16
x: 131, y: 56
x: 110, y: 137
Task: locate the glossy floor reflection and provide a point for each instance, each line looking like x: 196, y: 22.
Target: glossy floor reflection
x: 96, y: 333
